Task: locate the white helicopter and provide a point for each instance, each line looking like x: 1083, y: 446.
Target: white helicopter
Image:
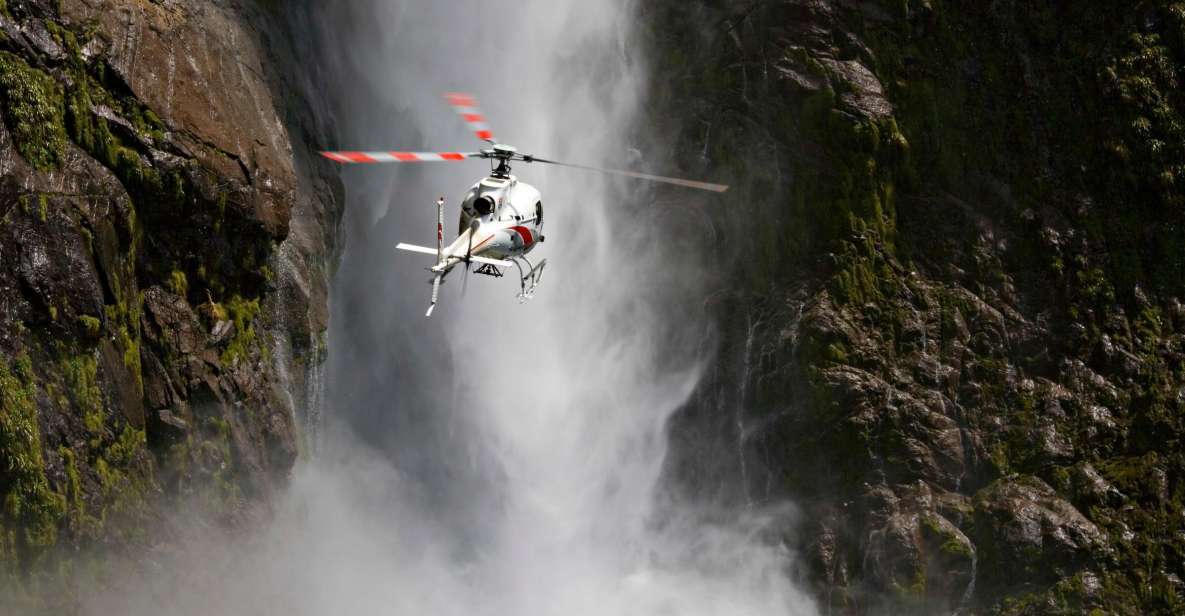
x: 501, y: 217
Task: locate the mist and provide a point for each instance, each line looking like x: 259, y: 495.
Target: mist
x: 497, y: 458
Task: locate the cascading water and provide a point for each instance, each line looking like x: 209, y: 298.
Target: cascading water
x: 499, y: 459
x: 554, y: 420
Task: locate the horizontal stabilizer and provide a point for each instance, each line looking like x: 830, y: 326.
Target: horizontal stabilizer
x: 414, y: 248
x: 432, y: 251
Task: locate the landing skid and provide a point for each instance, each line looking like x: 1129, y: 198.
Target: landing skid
x: 529, y: 280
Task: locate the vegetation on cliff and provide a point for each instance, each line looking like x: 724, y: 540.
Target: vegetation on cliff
x: 970, y: 243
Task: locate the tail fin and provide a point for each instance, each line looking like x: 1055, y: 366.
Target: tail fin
x: 440, y: 231
x: 435, y: 294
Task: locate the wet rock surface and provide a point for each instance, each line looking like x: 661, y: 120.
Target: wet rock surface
x: 165, y: 241
x: 954, y: 317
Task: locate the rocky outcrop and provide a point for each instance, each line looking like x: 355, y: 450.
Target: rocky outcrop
x: 165, y: 243
x: 1030, y: 535
x: 955, y: 316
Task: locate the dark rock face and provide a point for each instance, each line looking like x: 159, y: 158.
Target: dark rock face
x: 1031, y: 535
x: 166, y: 236
x: 955, y: 317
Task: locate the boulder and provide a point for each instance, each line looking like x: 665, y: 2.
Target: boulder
x: 1031, y: 535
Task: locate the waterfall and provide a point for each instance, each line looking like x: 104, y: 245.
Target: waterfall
x: 742, y: 401
x: 548, y: 417
x: 969, y: 592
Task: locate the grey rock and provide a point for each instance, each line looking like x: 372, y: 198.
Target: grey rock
x: 1032, y: 532
x: 864, y: 92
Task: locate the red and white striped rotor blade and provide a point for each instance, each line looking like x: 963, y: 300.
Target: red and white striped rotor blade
x: 466, y: 106
x: 397, y: 157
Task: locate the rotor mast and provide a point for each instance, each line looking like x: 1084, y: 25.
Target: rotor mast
x: 503, y: 154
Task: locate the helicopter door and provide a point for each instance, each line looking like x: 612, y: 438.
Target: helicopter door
x: 538, y: 213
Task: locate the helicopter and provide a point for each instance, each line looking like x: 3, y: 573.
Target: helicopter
x: 501, y: 218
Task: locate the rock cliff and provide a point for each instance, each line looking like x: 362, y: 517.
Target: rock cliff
x: 952, y: 327
x: 166, y: 238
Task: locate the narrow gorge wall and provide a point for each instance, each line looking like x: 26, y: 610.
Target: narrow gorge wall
x: 952, y: 319
x: 165, y: 244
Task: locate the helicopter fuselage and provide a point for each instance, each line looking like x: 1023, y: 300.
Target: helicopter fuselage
x: 501, y: 218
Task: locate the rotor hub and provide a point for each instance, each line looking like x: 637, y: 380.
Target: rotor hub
x: 503, y: 154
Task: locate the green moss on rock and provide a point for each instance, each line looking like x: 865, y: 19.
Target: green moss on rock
x: 31, y: 509
x: 243, y: 312
x: 91, y: 325
x: 81, y: 374
x: 33, y: 111
x: 178, y: 283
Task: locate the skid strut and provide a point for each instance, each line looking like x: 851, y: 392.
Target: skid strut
x: 529, y: 280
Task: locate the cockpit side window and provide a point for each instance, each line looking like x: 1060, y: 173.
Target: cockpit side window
x: 538, y: 212
x: 483, y: 205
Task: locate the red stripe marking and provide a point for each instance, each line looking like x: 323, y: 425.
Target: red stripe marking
x: 357, y: 157
x: 405, y: 157
x: 485, y: 134
x: 481, y: 243
x: 528, y: 239
x: 452, y: 156
x: 473, y: 117
x: 461, y: 100
x: 334, y: 156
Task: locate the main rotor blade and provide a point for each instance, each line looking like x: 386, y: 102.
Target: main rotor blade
x: 466, y: 106
x: 398, y: 157
x: 634, y: 174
